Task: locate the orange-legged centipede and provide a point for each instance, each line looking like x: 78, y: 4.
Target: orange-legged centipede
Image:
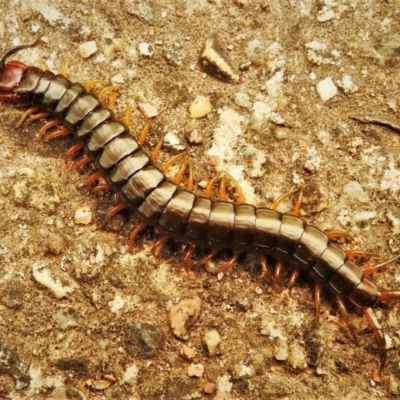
x: 178, y: 212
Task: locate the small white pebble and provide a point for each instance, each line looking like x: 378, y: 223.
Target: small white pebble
x: 347, y: 84
x: 87, y: 49
x: 187, y: 352
x: 148, y: 110
x: 83, y: 215
x: 326, y: 14
x: 200, y: 107
x: 281, y: 133
x: 212, y: 339
x: 118, y: 78
x: 146, y: 49
x: 243, y: 100
x: 326, y: 89
x: 259, y: 290
x: 55, y: 281
x: 196, y: 370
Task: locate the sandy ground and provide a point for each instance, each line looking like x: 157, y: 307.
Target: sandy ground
x: 109, y: 335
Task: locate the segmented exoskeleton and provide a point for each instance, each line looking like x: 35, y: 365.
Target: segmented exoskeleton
x: 178, y: 212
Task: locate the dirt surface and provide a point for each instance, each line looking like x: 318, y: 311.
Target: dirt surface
x: 108, y: 334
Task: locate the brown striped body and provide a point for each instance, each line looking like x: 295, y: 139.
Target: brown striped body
x: 177, y: 212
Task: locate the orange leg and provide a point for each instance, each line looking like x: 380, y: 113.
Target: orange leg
x: 229, y: 264
x: 186, y: 165
x: 378, y: 334
x: 293, y: 278
x: 111, y: 100
x: 114, y: 210
x: 144, y: 133
x: 113, y: 95
x: 156, y: 151
x: 359, y: 254
x: 224, y: 177
x: 159, y: 244
x: 334, y: 234
x: 91, y: 84
x: 93, y: 178
x: 277, y: 202
x: 64, y: 71
x: 278, y: 271
x: 133, y: 235
x: 207, y: 258
x: 61, y: 132
x: 73, y: 150
x: 264, y: 266
x: 317, y: 301
x: 46, y: 127
x: 41, y: 115
x: 345, y: 317
x: 83, y: 161
x: 108, y: 89
x: 25, y: 115
x: 127, y: 116
x: 188, y: 257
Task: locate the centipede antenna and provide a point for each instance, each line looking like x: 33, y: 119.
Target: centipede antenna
x: 13, y: 50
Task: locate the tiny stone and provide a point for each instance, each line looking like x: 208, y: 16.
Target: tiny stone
x: 243, y: 100
x: 297, y: 358
x: 148, y: 110
x: 200, y: 107
x: 347, y: 84
x: 212, y: 339
x: 100, y: 384
x: 326, y: 14
x: 118, y: 78
x: 187, y: 353
x: 196, y: 370
x: 213, y: 161
x: 326, y: 89
x: 172, y: 139
x: 83, y: 215
x: 245, y: 66
x: 146, y: 49
x: 54, y: 281
x: 195, y: 137
x: 355, y: 191
x: 281, y: 349
x: 181, y: 314
x: 65, y: 319
x: 87, y: 49
x: 210, y: 388
x: 281, y: 133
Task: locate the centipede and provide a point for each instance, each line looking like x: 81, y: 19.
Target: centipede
x: 177, y: 212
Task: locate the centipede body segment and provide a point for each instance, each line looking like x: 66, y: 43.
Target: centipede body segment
x: 178, y: 212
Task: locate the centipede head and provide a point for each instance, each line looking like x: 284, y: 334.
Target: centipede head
x: 11, y: 74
